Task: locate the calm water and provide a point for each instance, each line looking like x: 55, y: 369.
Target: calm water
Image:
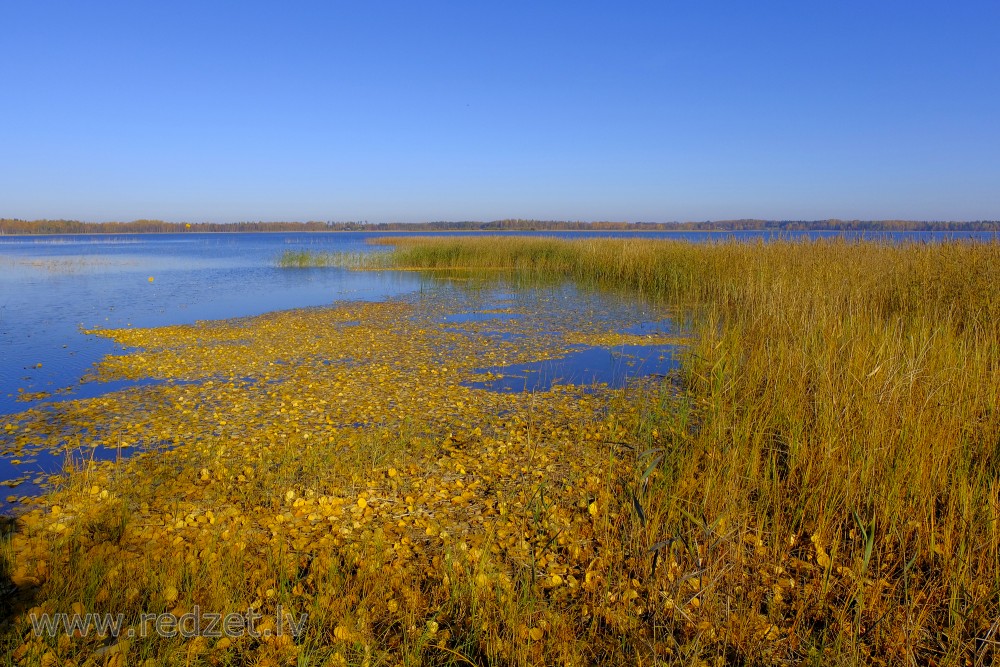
x: 53, y: 287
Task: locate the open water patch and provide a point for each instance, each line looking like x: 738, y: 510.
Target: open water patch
x: 583, y: 366
x: 481, y: 316
x: 665, y: 327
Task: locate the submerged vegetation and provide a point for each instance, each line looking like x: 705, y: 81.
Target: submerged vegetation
x: 819, y: 484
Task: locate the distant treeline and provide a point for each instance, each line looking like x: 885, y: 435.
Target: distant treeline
x: 15, y: 226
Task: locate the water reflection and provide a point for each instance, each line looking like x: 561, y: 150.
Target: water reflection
x: 585, y: 366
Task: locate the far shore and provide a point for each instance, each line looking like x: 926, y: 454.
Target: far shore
x: 17, y: 227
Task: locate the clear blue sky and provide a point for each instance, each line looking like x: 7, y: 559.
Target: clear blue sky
x: 657, y: 111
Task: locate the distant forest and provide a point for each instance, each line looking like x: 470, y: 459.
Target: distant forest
x: 15, y: 226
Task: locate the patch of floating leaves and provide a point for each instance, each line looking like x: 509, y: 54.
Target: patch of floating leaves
x: 615, y: 339
x: 332, y: 461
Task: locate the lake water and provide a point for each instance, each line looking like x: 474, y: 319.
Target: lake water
x: 54, y: 287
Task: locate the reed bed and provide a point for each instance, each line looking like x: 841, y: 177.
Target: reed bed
x: 835, y: 442
x: 306, y: 259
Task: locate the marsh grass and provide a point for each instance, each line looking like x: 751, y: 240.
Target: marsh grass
x: 308, y: 259
x: 840, y: 411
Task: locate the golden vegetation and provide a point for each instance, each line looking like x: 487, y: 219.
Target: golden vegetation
x: 304, y: 259
x: 820, y: 485
x: 333, y: 462
x: 839, y: 441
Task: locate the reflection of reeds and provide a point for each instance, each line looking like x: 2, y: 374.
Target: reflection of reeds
x: 840, y: 412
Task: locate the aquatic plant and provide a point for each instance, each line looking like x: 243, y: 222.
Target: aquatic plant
x: 836, y: 440
x: 304, y: 259
x: 334, y: 461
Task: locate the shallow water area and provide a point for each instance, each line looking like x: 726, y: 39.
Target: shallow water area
x: 588, y: 366
x: 53, y: 288
x: 377, y: 360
